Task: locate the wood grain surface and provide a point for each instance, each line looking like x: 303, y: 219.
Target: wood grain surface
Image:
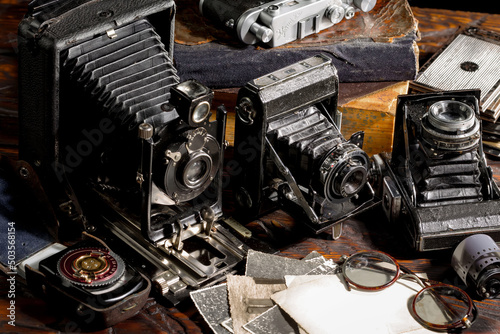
x: 369, y: 231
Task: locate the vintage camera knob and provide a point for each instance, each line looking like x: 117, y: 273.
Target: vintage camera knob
x: 365, y: 5
x: 349, y: 11
x: 335, y: 13
x: 263, y: 33
x: 145, y: 131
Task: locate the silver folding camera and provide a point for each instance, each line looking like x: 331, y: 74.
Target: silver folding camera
x: 290, y: 150
x: 278, y: 22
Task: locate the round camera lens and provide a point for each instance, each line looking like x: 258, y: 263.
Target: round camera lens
x: 442, y: 307
x: 191, y: 168
x: 196, y: 171
x: 451, y: 115
x: 370, y: 270
x: 201, y: 112
x: 354, y: 181
x: 350, y: 180
x: 344, y: 173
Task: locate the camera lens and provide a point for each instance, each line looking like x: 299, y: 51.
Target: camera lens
x: 201, y: 112
x: 191, y: 166
x: 350, y: 180
x: 345, y: 172
x: 451, y: 116
x: 451, y: 125
x: 196, y: 170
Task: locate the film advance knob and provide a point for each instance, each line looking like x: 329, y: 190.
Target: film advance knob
x: 365, y: 5
x: 263, y: 33
x: 335, y: 13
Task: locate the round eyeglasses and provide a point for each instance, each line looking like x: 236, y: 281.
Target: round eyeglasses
x: 437, y: 306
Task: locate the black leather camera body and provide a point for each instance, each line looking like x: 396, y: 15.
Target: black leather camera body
x: 437, y: 183
x: 123, y: 147
x: 290, y: 150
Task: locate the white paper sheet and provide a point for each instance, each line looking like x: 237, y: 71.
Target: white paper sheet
x: 322, y: 304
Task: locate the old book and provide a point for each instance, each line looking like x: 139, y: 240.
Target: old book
x: 379, y: 45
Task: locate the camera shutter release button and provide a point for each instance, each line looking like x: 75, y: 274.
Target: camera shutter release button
x: 263, y: 33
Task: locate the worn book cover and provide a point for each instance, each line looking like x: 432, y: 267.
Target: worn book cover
x: 379, y: 45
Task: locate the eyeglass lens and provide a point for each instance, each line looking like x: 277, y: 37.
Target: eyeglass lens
x: 437, y: 306
x: 370, y: 270
x: 441, y: 305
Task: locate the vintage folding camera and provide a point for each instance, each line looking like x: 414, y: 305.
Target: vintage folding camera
x: 277, y: 22
x: 437, y: 184
x: 87, y: 282
x: 119, y: 142
x: 290, y: 150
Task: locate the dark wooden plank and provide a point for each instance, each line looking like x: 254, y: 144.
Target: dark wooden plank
x: 11, y: 13
x: 438, y: 26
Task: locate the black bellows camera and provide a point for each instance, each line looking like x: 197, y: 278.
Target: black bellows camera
x: 120, y: 145
x: 291, y: 152
x: 437, y: 182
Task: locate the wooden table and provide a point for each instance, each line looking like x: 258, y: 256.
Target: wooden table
x: 365, y: 232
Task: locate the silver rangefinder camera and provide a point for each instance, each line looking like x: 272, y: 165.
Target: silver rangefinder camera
x: 279, y: 22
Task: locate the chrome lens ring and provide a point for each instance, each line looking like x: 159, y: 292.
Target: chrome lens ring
x: 451, y: 116
x: 451, y: 125
x: 344, y: 172
x: 200, y: 112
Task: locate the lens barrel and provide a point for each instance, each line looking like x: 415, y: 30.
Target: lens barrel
x: 451, y: 125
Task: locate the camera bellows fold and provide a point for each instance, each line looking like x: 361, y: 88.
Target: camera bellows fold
x: 127, y: 72
x: 312, y: 146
